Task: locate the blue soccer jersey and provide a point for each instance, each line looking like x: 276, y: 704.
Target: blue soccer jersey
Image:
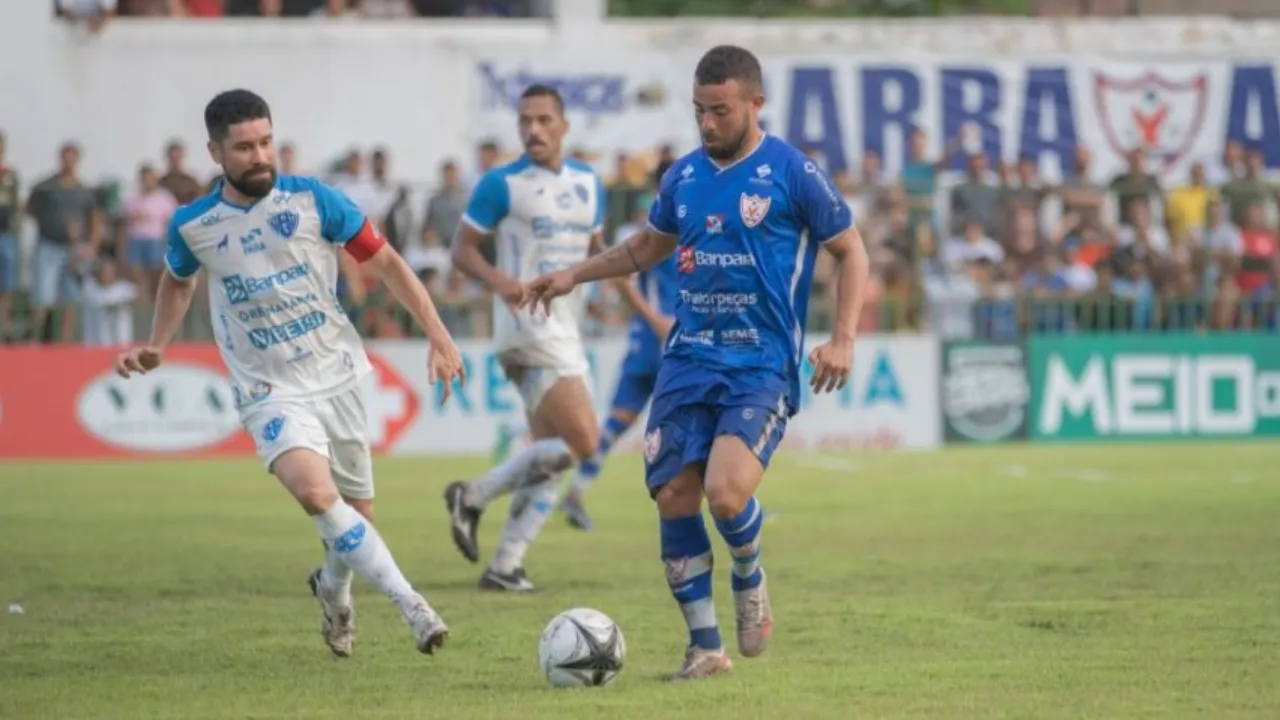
x: 748, y: 239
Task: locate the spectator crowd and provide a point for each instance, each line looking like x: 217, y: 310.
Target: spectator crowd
x: 96, y: 14
x: 990, y: 253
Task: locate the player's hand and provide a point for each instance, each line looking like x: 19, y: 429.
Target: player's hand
x: 138, y: 361
x: 542, y: 290
x: 444, y: 364
x: 512, y: 293
x: 832, y: 362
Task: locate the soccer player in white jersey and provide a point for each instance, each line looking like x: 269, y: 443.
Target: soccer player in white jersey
x: 545, y: 213
x: 270, y: 247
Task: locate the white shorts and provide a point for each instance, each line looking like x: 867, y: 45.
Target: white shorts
x: 535, y: 369
x: 334, y: 427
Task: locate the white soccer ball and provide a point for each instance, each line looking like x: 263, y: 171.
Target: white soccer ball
x: 581, y: 648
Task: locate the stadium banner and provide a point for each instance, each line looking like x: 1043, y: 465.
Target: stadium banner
x: 984, y: 393
x: 186, y: 407
x: 844, y: 105
x: 890, y: 402
x: 1154, y: 387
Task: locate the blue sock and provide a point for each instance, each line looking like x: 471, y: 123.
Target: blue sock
x: 589, y: 469
x: 686, y: 551
x: 742, y: 533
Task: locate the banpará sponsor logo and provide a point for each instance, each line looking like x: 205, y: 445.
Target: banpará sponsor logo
x: 723, y: 260
x: 241, y: 289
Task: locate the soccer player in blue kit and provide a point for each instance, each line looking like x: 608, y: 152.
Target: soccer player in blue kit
x: 745, y: 215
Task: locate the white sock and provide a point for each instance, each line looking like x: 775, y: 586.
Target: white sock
x: 356, y: 543
x: 335, y: 578
x: 531, y: 466
x: 530, y: 509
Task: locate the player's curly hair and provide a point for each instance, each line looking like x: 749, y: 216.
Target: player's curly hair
x: 231, y: 108
x: 729, y: 62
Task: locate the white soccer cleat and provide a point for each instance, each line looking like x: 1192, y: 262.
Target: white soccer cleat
x: 700, y: 663
x: 754, y: 616
x: 429, y: 629
x: 339, y: 625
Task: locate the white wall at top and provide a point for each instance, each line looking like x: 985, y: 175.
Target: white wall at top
x: 411, y: 85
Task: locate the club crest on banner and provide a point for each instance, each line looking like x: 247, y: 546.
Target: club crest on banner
x: 1161, y: 114
x: 753, y: 209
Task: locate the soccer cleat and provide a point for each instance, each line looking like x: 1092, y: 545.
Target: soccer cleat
x: 576, y: 512
x: 700, y: 663
x: 464, y: 520
x: 339, y: 626
x: 429, y: 629
x: 516, y: 581
x: 755, y: 619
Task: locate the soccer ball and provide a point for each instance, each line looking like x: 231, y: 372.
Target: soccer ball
x: 581, y: 648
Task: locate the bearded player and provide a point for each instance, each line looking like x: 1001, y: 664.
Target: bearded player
x: 746, y: 215
x: 270, y: 247
x: 546, y: 213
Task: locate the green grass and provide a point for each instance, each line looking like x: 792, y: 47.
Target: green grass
x: 1123, y: 582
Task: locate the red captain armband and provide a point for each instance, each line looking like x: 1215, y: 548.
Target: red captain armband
x: 366, y: 243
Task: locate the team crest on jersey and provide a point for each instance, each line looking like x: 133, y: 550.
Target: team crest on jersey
x: 753, y: 209
x: 284, y: 223
x: 686, y: 261
x: 652, y: 444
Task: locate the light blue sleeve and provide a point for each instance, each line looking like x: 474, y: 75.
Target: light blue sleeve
x: 340, y: 219
x: 820, y: 207
x: 182, y: 263
x: 662, y: 214
x: 602, y: 202
x: 490, y: 202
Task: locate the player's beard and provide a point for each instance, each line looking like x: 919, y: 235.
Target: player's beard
x: 726, y: 150
x: 254, y: 182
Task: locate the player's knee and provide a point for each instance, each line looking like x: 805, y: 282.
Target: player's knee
x: 364, y: 506
x: 727, y: 503
x: 681, y: 497
x: 315, y: 498
x: 583, y: 439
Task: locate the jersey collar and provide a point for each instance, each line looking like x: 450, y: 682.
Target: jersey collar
x: 764, y: 136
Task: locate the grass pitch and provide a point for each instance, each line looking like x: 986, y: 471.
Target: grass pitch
x: 1019, y: 582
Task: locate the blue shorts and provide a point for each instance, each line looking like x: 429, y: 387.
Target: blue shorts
x: 639, y: 375
x: 634, y: 391
x: 683, y: 425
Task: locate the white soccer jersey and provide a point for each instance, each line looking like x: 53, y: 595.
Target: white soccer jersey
x: 273, y: 274
x: 542, y: 222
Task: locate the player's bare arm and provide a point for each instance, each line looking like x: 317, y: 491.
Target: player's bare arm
x: 444, y: 361
x: 639, y: 252
x: 833, y: 360
x: 173, y: 299
x: 468, y: 258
